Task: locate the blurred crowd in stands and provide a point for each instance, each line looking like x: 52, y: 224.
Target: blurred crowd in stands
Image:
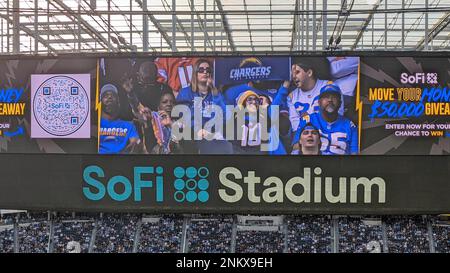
x: 355, y: 234
x: 309, y: 234
x: 407, y: 235
x: 116, y: 233
x: 252, y: 241
x: 126, y: 233
x: 210, y: 235
x: 441, y: 236
x: 162, y: 235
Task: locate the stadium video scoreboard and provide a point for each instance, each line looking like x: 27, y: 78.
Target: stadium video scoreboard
x: 350, y: 134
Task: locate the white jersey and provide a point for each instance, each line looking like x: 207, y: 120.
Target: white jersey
x: 345, y: 73
x: 341, y: 67
x: 302, y: 102
x: 347, y: 84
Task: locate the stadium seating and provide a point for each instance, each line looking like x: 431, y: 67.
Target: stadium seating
x: 126, y: 233
x: 407, y: 235
x: 160, y: 234
x: 115, y: 233
x: 441, y: 236
x: 309, y: 234
x: 66, y: 231
x: 210, y: 234
x: 356, y: 234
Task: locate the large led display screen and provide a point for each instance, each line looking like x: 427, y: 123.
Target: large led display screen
x: 249, y: 105
x: 226, y: 133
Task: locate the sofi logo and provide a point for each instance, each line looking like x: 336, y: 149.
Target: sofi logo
x: 417, y: 78
x: 191, y: 184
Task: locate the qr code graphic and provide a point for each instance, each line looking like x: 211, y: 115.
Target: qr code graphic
x: 61, y: 106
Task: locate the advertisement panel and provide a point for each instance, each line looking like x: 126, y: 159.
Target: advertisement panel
x: 46, y: 105
x: 406, y: 105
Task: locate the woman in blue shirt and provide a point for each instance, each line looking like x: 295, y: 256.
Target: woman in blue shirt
x: 202, y: 87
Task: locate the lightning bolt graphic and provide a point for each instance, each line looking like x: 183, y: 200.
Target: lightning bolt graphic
x: 378, y: 75
x: 410, y: 64
x: 11, y: 75
x: 359, y: 108
x: 45, y: 65
x: 385, y: 145
x: 443, y: 145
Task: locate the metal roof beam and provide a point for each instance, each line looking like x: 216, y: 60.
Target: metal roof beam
x: 93, y: 32
x: 437, y: 28
x: 30, y: 33
x: 294, y: 23
x: 225, y: 25
x: 157, y: 25
x: 365, y: 24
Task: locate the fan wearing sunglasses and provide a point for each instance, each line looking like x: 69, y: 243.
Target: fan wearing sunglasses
x: 248, y: 137
x: 202, y: 86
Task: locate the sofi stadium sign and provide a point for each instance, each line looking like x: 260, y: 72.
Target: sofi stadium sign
x: 227, y: 184
x: 192, y: 184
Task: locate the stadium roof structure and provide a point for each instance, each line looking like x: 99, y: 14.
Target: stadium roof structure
x: 70, y: 26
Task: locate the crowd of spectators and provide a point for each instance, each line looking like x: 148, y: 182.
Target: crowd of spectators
x: 66, y: 231
x: 355, y: 236
x: 116, y: 233
x: 407, y: 235
x: 213, y: 234
x: 33, y: 235
x: 7, y: 233
x: 251, y: 241
x: 6, y: 240
x: 161, y: 236
x: 210, y: 235
x: 309, y: 234
x: 441, y: 235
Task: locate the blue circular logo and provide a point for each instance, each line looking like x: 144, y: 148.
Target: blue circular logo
x: 196, y: 189
x: 203, y: 184
x: 179, y: 184
x: 191, y: 172
x: 191, y: 196
x: 203, y: 196
x: 178, y: 172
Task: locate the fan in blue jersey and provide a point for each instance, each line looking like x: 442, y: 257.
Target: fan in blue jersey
x: 202, y: 87
x: 344, y: 72
x: 309, y: 141
x: 339, y: 135
x: 116, y: 135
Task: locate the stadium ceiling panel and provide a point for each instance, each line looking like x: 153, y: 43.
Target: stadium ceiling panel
x: 57, y: 26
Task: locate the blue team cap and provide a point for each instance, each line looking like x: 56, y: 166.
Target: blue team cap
x: 108, y: 87
x: 308, y: 126
x: 330, y: 88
